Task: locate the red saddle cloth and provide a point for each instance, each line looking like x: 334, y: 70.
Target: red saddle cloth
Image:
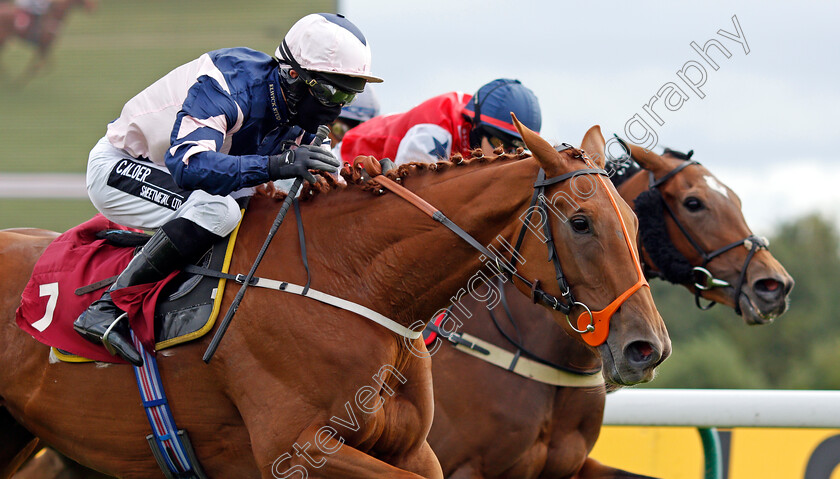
x: 49, y: 304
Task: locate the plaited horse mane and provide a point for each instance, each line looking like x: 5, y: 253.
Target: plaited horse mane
x: 354, y: 176
x: 289, y: 365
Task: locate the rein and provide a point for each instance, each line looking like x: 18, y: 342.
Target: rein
x: 703, y: 279
x: 587, y: 321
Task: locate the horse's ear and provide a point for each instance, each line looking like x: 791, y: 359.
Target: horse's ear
x: 542, y: 150
x: 593, y: 144
x: 647, y: 159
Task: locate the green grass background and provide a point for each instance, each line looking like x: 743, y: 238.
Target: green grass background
x: 101, y: 59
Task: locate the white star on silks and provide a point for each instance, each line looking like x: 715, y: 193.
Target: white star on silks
x: 440, y: 148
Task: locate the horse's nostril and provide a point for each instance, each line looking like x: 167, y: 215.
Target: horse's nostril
x: 641, y: 353
x: 769, y: 289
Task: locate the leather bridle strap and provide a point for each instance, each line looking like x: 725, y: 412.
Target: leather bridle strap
x: 752, y: 242
x: 538, y: 204
x: 755, y: 243
x: 707, y: 257
x: 565, y: 291
x: 654, y: 183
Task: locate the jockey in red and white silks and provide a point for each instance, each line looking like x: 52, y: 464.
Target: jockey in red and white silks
x: 447, y: 124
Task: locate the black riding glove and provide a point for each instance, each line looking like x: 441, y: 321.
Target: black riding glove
x: 298, y: 162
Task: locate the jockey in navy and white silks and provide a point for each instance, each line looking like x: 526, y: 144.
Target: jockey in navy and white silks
x: 207, y: 132
x: 446, y: 124
x: 206, y: 125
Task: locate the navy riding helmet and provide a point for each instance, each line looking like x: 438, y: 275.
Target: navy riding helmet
x: 490, y: 108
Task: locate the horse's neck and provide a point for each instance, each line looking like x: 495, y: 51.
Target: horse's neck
x: 395, y: 259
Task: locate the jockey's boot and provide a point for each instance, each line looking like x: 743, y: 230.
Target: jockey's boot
x: 104, y: 322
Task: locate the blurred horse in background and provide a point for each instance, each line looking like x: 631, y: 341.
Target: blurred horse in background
x: 492, y: 423
x: 38, y: 29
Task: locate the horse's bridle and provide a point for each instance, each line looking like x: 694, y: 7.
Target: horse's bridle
x: 586, y: 327
x: 588, y: 320
x: 703, y: 279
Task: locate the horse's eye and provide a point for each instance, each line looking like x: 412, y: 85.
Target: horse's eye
x: 693, y: 204
x: 580, y: 224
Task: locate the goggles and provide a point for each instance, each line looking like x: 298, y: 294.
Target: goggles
x: 326, y: 94
x: 509, y: 144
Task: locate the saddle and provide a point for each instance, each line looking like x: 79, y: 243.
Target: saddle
x: 80, y: 264
x: 187, y: 302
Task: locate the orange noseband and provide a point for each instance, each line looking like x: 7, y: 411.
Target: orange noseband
x: 595, y: 326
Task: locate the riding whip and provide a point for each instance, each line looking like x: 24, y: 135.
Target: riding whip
x: 323, y: 132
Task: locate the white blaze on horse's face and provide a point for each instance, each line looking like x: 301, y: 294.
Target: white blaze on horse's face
x: 716, y: 185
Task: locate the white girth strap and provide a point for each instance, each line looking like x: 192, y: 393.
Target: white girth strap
x: 528, y: 368
x: 339, y: 303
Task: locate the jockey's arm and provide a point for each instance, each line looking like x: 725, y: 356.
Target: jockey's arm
x: 207, y: 115
x: 426, y: 143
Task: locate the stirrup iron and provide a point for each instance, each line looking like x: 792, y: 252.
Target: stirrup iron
x: 105, y: 340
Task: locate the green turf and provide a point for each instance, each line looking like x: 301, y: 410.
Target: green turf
x: 56, y: 215
x: 104, y: 58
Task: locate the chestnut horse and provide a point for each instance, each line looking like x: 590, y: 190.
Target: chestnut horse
x: 290, y: 368
x: 491, y: 423
x: 40, y: 31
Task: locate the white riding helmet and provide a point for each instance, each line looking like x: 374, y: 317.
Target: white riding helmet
x: 327, y: 43
x: 363, y: 108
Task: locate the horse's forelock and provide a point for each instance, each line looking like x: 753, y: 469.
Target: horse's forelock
x: 574, y: 154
